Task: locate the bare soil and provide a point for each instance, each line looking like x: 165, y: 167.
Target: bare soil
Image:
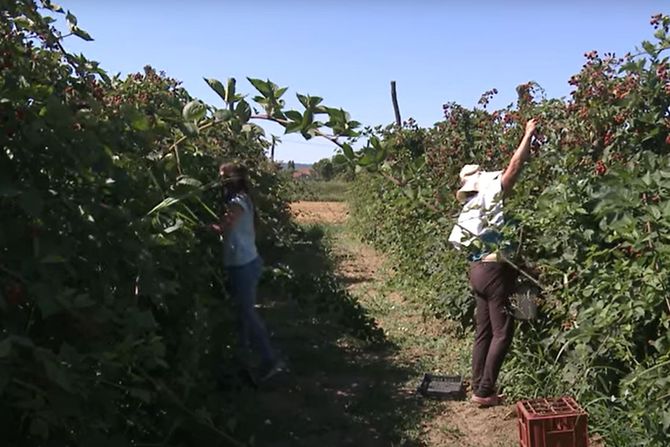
x: 320, y: 212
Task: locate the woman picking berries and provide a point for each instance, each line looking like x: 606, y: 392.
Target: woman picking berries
x: 243, y: 265
x: 492, y: 279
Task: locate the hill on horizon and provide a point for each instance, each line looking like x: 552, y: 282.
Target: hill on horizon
x: 297, y: 165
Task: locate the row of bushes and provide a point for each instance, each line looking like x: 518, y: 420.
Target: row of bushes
x: 113, y: 325
x: 317, y: 190
x: 593, y: 213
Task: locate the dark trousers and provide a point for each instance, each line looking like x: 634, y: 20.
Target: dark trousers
x: 492, y: 283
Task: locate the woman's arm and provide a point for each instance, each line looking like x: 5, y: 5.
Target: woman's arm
x: 229, y: 218
x: 513, y: 170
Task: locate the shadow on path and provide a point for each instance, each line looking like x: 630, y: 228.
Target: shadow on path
x: 344, y: 387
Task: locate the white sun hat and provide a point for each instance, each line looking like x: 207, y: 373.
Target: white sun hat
x: 469, y: 176
x: 473, y: 179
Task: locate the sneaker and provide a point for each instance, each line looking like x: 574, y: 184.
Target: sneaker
x: 272, y: 370
x: 490, y: 401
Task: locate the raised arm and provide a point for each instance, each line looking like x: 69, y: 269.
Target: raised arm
x: 513, y: 170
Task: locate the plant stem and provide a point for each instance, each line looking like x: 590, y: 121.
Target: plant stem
x: 176, y: 144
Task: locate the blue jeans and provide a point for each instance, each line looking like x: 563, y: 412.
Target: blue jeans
x: 243, y: 285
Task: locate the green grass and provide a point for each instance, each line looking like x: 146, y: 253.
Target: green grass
x: 321, y: 191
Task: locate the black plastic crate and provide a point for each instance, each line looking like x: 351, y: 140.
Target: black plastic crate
x: 442, y: 387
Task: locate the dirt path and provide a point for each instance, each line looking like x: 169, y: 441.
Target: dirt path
x: 320, y: 212
x: 422, y: 342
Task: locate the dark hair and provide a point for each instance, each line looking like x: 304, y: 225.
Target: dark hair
x: 234, y: 181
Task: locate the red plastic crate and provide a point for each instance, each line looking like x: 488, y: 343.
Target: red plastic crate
x: 553, y: 422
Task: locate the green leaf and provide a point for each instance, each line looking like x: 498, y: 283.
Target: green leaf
x: 217, y: 86
x: 189, y: 181
x: 263, y: 87
x: 340, y: 159
x: 649, y: 48
x: 253, y: 128
x: 294, y: 115
x: 71, y: 19
x: 53, y: 6
x: 169, y: 201
x: 138, y: 120
x: 194, y: 111
x: 230, y: 92
x: 223, y: 115
x: 23, y: 22
x: 307, y: 118
x: 366, y: 160
x: 380, y: 155
x: 304, y: 100
x: 52, y: 259
x: 165, y: 203
x: 336, y: 115
x: 652, y: 134
x: 292, y: 127
x: 243, y: 111
x: 314, y: 101
x: 172, y: 228
x: 280, y: 92
x: 81, y: 34
x: 348, y: 151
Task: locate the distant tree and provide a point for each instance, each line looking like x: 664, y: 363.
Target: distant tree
x: 324, y: 169
x: 342, y: 169
x: 290, y: 165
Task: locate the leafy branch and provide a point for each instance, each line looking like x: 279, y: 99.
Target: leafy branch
x: 271, y: 107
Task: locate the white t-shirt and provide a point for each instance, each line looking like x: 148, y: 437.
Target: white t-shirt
x: 482, y: 213
x: 239, y: 241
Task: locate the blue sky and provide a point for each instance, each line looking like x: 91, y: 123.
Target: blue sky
x: 348, y: 52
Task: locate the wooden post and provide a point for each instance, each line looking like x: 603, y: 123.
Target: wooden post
x: 272, y: 148
x: 396, y: 109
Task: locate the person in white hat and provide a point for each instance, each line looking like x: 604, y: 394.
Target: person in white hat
x: 491, y: 278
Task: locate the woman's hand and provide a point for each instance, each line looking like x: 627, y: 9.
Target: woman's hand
x: 530, y: 127
x: 228, y: 220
